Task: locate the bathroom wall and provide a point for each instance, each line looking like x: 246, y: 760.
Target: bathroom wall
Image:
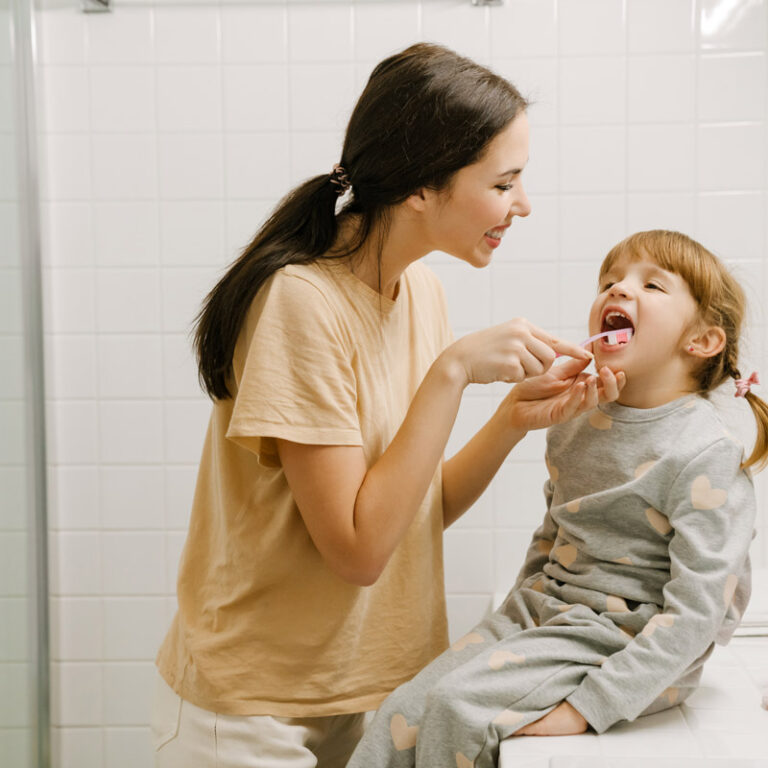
x: 170, y: 129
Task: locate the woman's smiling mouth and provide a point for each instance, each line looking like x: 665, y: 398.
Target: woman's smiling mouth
x: 493, y: 236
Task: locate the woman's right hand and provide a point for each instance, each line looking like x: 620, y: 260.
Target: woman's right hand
x: 510, y: 352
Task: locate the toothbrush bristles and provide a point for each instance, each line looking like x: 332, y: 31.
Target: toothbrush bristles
x: 618, y: 337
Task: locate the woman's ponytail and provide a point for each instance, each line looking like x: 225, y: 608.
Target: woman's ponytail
x: 301, y: 229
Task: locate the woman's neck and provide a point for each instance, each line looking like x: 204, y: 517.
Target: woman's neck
x: 380, y: 261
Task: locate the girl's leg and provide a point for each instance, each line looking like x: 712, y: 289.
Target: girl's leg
x: 390, y: 739
x: 506, y: 687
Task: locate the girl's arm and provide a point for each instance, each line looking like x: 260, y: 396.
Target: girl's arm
x: 711, y: 512
x: 357, y: 514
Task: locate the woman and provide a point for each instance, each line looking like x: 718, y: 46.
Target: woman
x: 311, y: 584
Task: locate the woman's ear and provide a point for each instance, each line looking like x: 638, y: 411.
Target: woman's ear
x: 424, y: 198
x: 708, y: 343
x: 417, y: 201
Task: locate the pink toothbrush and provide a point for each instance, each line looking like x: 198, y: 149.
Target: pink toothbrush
x: 621, y: 336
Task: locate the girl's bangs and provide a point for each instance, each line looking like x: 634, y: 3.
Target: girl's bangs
x: 673, y: 252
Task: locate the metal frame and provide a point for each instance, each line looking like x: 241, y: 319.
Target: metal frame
x: 22, y: 15
x: 97, y: 6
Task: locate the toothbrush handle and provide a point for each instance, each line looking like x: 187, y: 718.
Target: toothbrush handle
x: 588, y: 341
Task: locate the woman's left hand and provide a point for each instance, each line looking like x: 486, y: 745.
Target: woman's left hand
x: 563, y: 720
x: 561, y: 393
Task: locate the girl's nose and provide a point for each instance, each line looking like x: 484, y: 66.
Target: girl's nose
x: 620, y: 288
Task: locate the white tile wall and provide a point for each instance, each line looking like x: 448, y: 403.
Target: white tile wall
x: 170, y: 129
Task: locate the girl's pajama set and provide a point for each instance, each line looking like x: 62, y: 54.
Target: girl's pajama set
x: 640, y: 565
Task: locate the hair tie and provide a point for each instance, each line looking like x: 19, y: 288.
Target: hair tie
x: 338, y: 176
x: 744, y: 385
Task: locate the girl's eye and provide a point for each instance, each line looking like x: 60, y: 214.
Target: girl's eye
x: 606, y: 286
x: 654, y: 286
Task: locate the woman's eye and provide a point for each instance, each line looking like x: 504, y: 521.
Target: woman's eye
x: 504, y: 187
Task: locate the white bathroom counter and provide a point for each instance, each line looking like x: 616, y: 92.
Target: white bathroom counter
x: 721, y: 725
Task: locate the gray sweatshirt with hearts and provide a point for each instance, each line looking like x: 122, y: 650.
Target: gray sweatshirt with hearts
x: 651, y: 508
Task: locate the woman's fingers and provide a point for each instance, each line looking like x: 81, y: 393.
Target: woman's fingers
x: 575, y: 400
x: 569, y: 368
x: 533, y: 360
x: 540, y: 350
x: 561, y: 347
x: 517, y: 350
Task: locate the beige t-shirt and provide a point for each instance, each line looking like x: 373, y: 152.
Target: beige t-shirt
x: 264, y: 626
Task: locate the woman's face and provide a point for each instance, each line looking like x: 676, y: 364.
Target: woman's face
x: 469, y: 218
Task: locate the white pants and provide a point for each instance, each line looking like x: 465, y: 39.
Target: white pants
x: 184, y: 736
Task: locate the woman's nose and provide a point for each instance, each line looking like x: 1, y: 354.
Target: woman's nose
x: 521, y: 206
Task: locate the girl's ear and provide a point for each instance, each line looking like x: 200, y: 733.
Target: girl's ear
x: 708, y: 343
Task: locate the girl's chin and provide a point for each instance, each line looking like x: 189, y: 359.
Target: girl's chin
x: 610, y: 361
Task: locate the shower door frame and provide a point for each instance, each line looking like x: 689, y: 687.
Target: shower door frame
x: 24, y: 58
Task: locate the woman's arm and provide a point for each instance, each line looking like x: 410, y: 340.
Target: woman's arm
x: 356, y: 514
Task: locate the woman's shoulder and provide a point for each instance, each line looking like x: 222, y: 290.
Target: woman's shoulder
x: 316, y: 274
x: 310, y: 284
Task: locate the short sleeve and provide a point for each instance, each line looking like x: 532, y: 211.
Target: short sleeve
x: 294, y: 372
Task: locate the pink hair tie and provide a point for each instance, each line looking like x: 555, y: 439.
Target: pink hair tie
x: 744, y: 385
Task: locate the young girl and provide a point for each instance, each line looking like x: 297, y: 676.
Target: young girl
x: 311, y: 583
x: 641, y: 563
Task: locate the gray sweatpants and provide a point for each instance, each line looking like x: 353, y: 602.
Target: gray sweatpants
x: 506, y: 673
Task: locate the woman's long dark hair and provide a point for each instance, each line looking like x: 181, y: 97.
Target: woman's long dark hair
x: 424, y: 114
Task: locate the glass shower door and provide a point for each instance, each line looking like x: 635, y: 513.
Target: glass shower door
x: 24, y: 720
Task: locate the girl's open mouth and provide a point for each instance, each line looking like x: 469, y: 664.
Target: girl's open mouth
x: 618, y: 327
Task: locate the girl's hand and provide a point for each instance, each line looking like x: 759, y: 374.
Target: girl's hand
x: 510, y: 352
x: 563, y: 720
x: 560, y: 394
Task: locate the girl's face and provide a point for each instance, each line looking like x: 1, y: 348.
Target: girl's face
x: 658, y: 305
x: 469, y: 219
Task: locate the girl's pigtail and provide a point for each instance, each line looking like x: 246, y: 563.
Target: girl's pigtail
x: 759, y: 456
